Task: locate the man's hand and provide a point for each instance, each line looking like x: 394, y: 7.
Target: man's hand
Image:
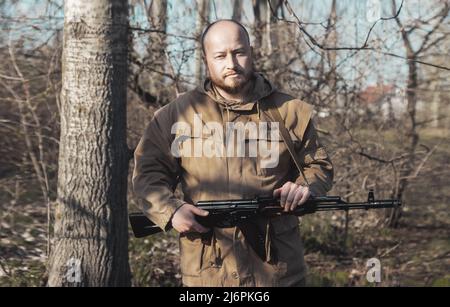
x: 184, y: 219
x: 291, y: 195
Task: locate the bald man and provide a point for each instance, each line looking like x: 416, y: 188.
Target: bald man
x: 220, y: 142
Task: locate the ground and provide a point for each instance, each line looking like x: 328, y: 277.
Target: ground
x: 417, y: 253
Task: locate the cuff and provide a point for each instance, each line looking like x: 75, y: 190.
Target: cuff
x: 164, y: 219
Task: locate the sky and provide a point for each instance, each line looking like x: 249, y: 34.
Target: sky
x: 355, y: 19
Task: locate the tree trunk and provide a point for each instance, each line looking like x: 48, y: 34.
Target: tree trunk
x: 90, y: 245
x: 157, y: 81
x: 237, y: 10
x: 202, y: 21
x: 259, y: 27
x: 408, y: 168
x: 333, y: 38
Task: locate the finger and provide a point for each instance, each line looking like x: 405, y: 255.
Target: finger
x: 306, y: 195
x: 276, y: 193
x: 297, y: 198
x: 290, y: 197
x: 198, y: 211
x: 283, y: 195
x: 184, y: 230
x: 200, y: 228
x: 185, y: 227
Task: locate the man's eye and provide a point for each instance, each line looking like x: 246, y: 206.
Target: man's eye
x: 219, y: 57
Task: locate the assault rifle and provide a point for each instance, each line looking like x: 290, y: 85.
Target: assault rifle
x: 229, y: 213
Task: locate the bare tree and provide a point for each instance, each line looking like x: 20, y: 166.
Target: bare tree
x: 413, y: 54
x: 157, y: 47
x: 202, y: 21
x: 91, y: 237
x: 237, y: 10
x: 259, y: 23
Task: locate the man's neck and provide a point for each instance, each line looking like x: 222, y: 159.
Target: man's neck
x: 242, y: 96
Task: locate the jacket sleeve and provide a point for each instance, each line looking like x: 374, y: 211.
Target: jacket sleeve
x: 317, y: 166
x: 156, y: 173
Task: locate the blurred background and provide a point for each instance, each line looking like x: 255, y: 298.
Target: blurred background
x: 377, y: 72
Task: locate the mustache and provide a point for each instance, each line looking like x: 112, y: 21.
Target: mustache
x: 234, y: 72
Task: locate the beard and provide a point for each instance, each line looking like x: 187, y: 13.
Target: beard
x: 231, y: 84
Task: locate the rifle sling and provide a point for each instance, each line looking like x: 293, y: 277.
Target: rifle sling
x: 260, y: 239
x: 275, y: 116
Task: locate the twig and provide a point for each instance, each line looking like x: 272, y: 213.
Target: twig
x: 390, y: 250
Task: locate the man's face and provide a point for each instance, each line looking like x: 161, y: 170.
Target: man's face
x: 228, y: 57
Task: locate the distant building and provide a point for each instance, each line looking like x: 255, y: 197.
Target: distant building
x: 386, y: 100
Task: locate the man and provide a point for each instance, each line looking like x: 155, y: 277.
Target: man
x: 174, y: 149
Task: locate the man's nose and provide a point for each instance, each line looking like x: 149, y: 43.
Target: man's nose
x: 231, y: 61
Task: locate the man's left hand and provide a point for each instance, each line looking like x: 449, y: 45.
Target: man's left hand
x: 291, y: 195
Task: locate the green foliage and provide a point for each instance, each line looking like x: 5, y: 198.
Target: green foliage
x: 442, y: 282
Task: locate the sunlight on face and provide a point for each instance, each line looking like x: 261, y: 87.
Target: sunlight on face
x: 228, y: 56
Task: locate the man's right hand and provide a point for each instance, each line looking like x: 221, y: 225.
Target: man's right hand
x: 184, y: 219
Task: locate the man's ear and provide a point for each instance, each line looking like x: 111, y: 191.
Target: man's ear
x: 205, y: 61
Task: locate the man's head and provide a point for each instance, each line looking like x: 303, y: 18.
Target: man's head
x: 228, y: 55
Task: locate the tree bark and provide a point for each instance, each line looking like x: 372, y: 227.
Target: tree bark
x: 158, y: 13
x: 237, y: 10
x: 259, y: 26
x: 90, y: 245
x: 333, y: 37
x: 202, y: 21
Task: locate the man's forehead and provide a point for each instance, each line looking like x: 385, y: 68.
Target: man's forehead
x: 225, y: 25
x: 223, y: 46
x: 223, y: 34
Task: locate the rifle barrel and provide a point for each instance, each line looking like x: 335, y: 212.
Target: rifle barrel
x: 351, y: 206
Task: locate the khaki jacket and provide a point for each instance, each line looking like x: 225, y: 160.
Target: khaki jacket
x: 228, y: 260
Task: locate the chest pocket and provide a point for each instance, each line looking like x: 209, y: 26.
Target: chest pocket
x: 272, y: 157
x: 197, y: 152
x: 186, y: 146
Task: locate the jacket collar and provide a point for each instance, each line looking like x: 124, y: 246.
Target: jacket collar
x: 261, y: 88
